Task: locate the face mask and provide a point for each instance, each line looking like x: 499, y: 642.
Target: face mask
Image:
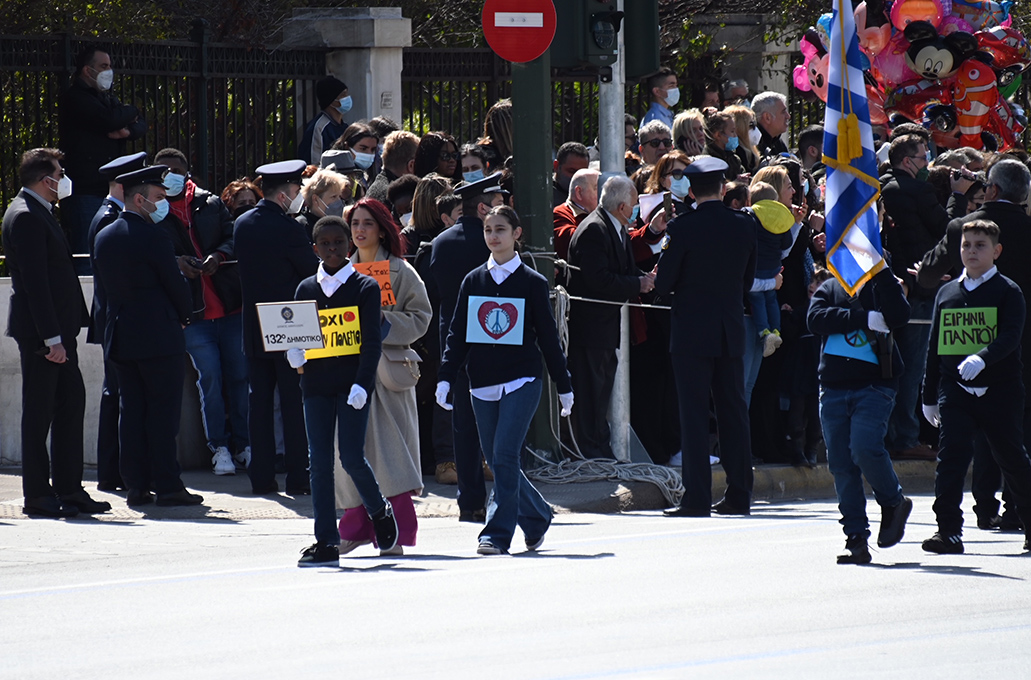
x: 105, y: 79
x: 296, y: 204
x: 805, y: 188
x: 732, y: 143
x: 364, y: 160
x: 336, y: 208
x: 672, y: 96
x: 175, y: 183
x: 64, y: 187
x: 406, y: 219
x: 634, y: 215
x: 345, y: 105
x: 160, y: 211
x: 680, y: 187
x: 474, y: 176
x: 241, y: 210
x: 754, y: 135
x: 923, y: 174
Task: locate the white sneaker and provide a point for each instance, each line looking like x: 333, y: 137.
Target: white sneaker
x: 223, y: 462
x: 676, y: 460
x: 243, y: 458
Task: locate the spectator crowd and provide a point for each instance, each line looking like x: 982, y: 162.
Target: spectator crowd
x: 743, y: 346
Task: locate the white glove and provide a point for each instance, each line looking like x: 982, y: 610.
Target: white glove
x: 295, y: 357
x: 356, y: 399
x: 875, y: 321
x: 932, y: 414
x: 566, y: 400
x: 443, y: 387
x: 970, y: 367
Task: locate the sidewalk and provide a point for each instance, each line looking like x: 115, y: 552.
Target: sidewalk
x: 229, y: 497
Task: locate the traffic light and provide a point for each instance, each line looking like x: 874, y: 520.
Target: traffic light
x: 587, y: 34
x: 640, y: 38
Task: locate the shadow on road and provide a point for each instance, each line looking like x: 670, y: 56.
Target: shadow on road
x: 945, y: 569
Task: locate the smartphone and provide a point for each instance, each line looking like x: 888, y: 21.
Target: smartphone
x: 667, y: 205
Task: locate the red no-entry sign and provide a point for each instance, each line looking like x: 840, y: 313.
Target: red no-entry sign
x: 519, y: 30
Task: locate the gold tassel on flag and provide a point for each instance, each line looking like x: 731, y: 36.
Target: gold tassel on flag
x: 850, y: 145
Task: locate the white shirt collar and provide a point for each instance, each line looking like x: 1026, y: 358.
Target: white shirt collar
x: 331, y: 282
x: 47, y: 204
x: 500, y: 272
x: 971, y: 284
x: 617, y: 225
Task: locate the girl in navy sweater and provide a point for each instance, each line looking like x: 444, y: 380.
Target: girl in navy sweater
x: 501, y: 326
x: 336, y: 382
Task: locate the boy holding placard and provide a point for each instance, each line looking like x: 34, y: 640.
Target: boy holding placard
x: 349, y: 313
x: 973, y: 382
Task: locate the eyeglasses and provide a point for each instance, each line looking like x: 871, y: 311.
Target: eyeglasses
x: 446, y: 156
x: 675, y: 174
x: 656, y: 143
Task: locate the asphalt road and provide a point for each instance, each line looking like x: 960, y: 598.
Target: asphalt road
x: 608, y: 596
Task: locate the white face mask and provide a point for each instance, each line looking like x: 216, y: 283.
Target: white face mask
x: 105, y: 79
x: 64, y: 187
x: 754, y: 135
x: 406, y: 219
x: 672, y: 96
x: 296, y: 204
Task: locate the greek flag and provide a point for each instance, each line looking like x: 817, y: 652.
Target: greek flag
x: 854, y: 252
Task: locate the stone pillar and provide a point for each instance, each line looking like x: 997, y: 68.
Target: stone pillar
x: 367, y: 48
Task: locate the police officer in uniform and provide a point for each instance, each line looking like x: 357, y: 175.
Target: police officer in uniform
x: 708, y: 263
x: 274, y: 256
x: 108, y: 477
x: 147, y: 304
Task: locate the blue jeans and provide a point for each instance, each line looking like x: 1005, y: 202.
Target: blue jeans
x: 854, y: 422
x: 765, y: 310
x: 323, y: 415
x: 502, y: 426
x: 912, y: 339
x: 753, y: 357
x: 77, y: 213
x: 215, y: 348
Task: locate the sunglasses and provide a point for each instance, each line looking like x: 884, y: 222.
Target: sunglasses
x: 447, y: 156
x: 675, y: 174
x: 656, y: 143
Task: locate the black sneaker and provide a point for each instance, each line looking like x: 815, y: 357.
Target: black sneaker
x: 1010, y: 522
x: 943, y: 545
x: 320, y: 555
x: 385, y: 527
x: 893, y: 523
x: 856, y: 551
x: 1027, y: 544
x: 988, y: 523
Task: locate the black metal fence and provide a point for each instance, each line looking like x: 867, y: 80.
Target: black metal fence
x: 228, y: 108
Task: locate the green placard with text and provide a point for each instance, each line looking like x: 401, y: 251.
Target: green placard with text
x: 966, y: 330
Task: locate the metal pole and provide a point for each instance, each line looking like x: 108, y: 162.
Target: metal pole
x: 532, y: 135
x: 612, y: 107
x: 201, y: 167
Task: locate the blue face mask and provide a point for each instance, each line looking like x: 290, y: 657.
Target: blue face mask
x: 175, y: 183
x: 160, y: 211
x: 680, y: 187
x: 634, y: 215
x: 474, y: 176
x: 364, y: 160
x: 345, y: 105
x: 805, y: 188
x: 732, y: 143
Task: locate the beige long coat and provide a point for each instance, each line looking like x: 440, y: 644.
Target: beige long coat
x: 392, y: 438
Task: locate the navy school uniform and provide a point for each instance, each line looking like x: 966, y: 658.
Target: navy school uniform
x: 274, y: 256
x: 987, y: 321
x: 326, y: 383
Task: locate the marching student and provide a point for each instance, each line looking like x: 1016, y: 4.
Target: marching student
x: 973, y: 382
x: 502, y: 325
x: 335, y: 383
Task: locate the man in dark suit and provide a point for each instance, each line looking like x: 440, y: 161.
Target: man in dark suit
x: 709, y: 263
x: 605, y: 270
x: 147, y: 305
x: 274, y: 255
x: 47, y: 310
x: 1005, y: 196
x: 454, y: 253
x: 108, y: 477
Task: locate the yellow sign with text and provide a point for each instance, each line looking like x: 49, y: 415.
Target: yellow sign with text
x: 341, y: 331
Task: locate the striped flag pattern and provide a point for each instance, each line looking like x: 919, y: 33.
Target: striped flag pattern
x: 854, y: 251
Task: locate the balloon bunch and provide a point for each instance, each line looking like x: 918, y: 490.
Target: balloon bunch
x: 951, y: 65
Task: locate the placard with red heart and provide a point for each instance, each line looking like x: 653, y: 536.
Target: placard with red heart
x: 495, y: 320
